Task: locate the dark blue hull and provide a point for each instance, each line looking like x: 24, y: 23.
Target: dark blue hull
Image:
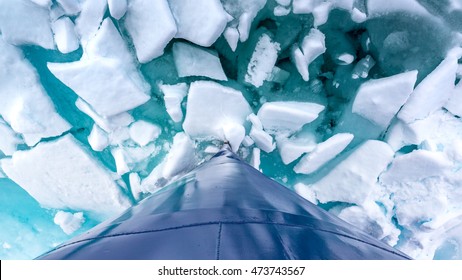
x: 225, y: 209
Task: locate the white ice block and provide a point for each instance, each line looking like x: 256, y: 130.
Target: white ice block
x: 151, y: 26
x: 173, y: 96
x: 288, y: 116
x: 263, y: 59
x: 200, y: 21
x: 379, y: 100
x: 211, y: 107
x: 354, y: 178
x: 323, y: 153
x: 143, y: 132
x: 61, y: 174
x: 194, y: 61
x: 65, y: 36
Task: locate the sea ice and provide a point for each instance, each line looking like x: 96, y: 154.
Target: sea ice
x: 151, y: 26
x: 25, y: 105
x: 291, y: 149
x: 33, y: 28
x: 173, y: 96
x: 288, y: 116
x: 354, y: 179
x: 89, y: 19
x: 65, y: 37
x: 194, y: 61
x: 263, y: 59
x: 69, y: 222
x: 143, y: 132
x: 211, y: 107
x: 312, y: 46
x: 323, y: 153
x: 61, y: 174
x: 200, y: 22
x: 117, y: 8
x: 379, y: 100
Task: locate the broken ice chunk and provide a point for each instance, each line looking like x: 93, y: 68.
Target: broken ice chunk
x: 195, y: 61
x: 24, y: 104
x: 69, y: 222
x: 61, y: 174
x: 354, y: 178
x: 65, y: 37
x: 376, y: 8
x: 8, y: 139
x: 89, y: 19
x: 303, y: 6
x: 181, y: 156
x: 280, y: 11
x: 199, y: 21
x: 323, y: 153
x: 288, y: 116
x: 363, y: 67
x: 120, y: 161
x: 263, y: 140
x: 244, y: 12
x: 98, y: 139
x: 151, y: 26
x: 263, y: 59
x: 211, y: 107
x: 173, y: 96
x: 321, y: 13
x: 358, y: 16
x: 291, y: 149
x: 232, y: 37
x: 432, y: 93
x: 88, y: 80
x: 23, y: 22
x: 117, y: 8
x: 143, y: 132
x: 255, y: 159
x: 313, y: 45
x: 379, y: 100
x: 71, y: 7
x: 234, y: 134
x: 345, y: 59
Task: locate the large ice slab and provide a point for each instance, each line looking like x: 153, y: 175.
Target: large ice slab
x: 151, y: 26
x: 106, y: 59
x: 199, y: 21
x: 263, y: 60
x: 379, y: 100
x: 211, y: 107
x: 323, y: 153
x: 25, y: 105
x: 432, y: 93
x: 355, y: 177
x: 61, y: 174
x: 23, y: 22
x: 288, y: 116
x: 194, y: 61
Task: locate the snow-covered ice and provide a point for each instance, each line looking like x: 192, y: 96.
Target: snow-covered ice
x: 194, y: 61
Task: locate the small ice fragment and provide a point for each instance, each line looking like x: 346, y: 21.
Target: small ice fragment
x: 288, y: 116
x: 262, y: 139
x: 232, y: 37
x: 69, y: 222
x: 173, y: 96
x: 65, y: 36
x: 194, y: 61
x: 98, y: 139
x: 255, y: 159
x: 263, y: 59
x: 143, y: 132
x: 292, y: 149
x: 280, y: 11
x: 234, y: 134
x: 363, y: 67
x: 323, y: 153
x: 117, y: 8
x: 345, y: 59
